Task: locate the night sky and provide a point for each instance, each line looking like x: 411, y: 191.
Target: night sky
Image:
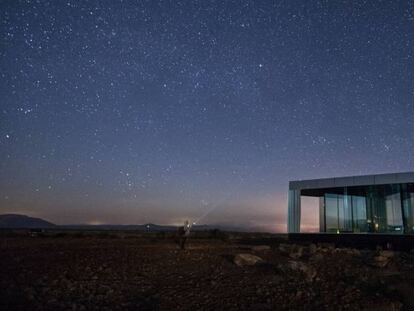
x: 156, y: 111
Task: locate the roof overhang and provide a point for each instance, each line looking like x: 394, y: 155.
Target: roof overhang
x: 349, y: 181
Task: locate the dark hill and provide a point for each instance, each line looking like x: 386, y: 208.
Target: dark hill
x: 23, y: 221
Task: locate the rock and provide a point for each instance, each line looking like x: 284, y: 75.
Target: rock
x: 313, y: 248
x: 387, y: 254
x: 285, y: 248
x: 366, y: 254
x: 348, y: 251
x: 261, y: 248
x: 296, y: 252
x: 407, y: 292
x: 381, y: 261
x: 317, y: 257
x: 383, y: 258
x: 309, y: 271
x: 327, y: 246
x: 30, y: 293
x: 389, y: 273
x: 355, y: 252
x: 245, y: 259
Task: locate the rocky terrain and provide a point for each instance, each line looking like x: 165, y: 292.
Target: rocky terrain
x: 71, y: 272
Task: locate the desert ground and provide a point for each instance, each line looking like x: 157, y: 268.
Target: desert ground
x: 127, y: 271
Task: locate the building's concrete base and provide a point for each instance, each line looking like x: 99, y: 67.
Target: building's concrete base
x: 357, y: 240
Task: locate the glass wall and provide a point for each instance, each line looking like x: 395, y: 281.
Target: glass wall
x: 393, y: 208
x: 359, y: 213
x: 338, y: 213
x: 345, y: 212
x: 408, y: 207
x: 331, y: 212
x: 379, y: 208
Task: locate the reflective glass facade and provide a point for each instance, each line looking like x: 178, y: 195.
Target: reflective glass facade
x: 375, y: 209
x: 381, y: 203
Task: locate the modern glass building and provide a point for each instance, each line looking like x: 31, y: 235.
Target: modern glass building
x: 367, y: 204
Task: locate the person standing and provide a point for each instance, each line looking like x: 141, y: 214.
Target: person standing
x: 184, y: 233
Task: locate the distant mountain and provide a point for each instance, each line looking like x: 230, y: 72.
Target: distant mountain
x: 23, y: 221
x: 151, y: 227
x: 145, y: 227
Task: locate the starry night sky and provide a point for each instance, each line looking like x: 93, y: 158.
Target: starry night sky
x: 157, y: 111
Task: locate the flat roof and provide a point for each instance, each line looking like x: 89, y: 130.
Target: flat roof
x: 348, y: 181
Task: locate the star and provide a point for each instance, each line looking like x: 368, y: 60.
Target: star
x: 154, y: 108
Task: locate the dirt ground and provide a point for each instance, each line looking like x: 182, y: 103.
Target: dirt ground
x: 95, y: 273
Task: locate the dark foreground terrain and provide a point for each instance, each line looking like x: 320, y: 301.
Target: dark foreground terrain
x: 118, y: 272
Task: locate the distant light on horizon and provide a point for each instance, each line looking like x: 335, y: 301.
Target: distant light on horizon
x: 95, y: 222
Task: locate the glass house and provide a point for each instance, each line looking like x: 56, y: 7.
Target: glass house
x: 358, y: 204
